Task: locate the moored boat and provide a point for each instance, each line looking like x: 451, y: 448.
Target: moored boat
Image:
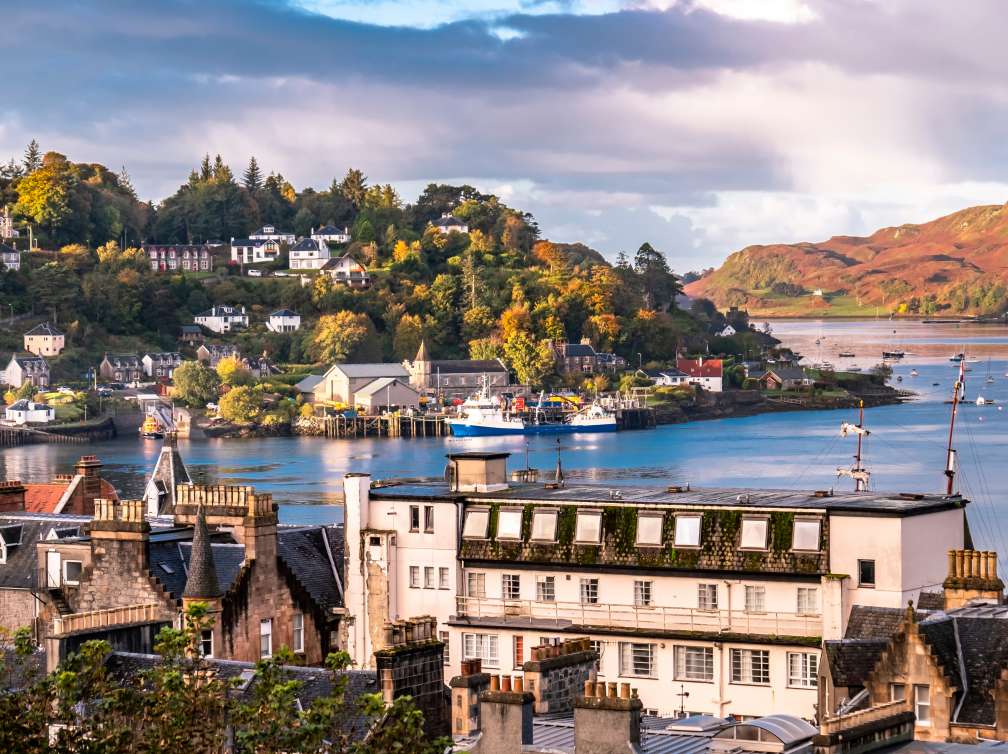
x: 151, y: 428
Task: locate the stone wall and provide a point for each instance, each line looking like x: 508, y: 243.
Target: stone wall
x: 17, y: 608
x: 412, y: 664
x: 556, y: 674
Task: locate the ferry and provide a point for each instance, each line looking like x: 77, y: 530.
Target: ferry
x: 483, y: 415
x: 151, y: 428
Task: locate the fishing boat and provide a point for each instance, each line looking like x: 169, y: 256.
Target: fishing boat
x: 981, y: 401
x: 846, y: 354
x: 485, y: 415
x: 893, y: 355
x: 151, y: 428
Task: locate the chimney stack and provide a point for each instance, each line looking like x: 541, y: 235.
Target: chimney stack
x: 972, y: 575
x: 413, y: 665
x: 12, y: 497
x: 505, y: 718
x: 607, y: 719
x: 465, y: 693
x: 556, y: 674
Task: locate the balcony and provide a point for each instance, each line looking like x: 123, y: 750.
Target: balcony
x: 632, y: 618
x: 116, y: 616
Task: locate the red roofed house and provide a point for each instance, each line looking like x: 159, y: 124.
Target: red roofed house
x: 707, y: 373
x: 67, y: 493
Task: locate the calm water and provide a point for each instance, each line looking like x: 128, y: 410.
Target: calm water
x: 797, y: 450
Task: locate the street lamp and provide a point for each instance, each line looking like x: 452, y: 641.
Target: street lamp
x: 640, y: 361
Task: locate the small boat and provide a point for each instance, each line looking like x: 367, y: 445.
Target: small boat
x: 914, y: 373
x: 893, y: 355
x: 853, y: 368
x: 151, y: 428
x: 934, y: 384
x: 957, y: 358
x: 981, y: 401
x: 990, y: 377
x: 846, y: 354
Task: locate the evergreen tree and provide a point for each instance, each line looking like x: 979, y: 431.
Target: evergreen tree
x: 253, y: 176
x: 206, y: 172
x: 353, y: 187
x: 221, y: 172
x: 125, y: 183
x: 32, y: 157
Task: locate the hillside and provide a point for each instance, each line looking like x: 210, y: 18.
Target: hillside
x: 954, y: 264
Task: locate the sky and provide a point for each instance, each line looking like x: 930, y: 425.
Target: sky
x: 701, y: 126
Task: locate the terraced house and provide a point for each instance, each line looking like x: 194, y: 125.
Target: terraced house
x: 707, y: 600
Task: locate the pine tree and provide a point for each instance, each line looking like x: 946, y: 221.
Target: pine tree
x: 252, y: 179
x: 221, y: 172
x: 206, y: 172
x: 32, y: 157
x: 125, y: 183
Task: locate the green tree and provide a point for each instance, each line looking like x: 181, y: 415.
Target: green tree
x: 531, y: 361
x: 232, y: 371
x: 353, y: 187
x: 337, y: 335
x: 242, y: 405
x: 252, y: 178
x: 408, y: 333
x: 195, y: 384
x: 32, y: 157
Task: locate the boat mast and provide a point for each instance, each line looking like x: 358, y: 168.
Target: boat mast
x: 950, y: 455
x: 859, y: 474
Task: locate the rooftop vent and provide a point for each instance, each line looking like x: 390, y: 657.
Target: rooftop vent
x: 675, y: 489
x: 823, y: 493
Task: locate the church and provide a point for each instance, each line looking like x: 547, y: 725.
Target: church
x: 456, y: 378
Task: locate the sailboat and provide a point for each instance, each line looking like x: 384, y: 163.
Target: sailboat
x: 990, y: 377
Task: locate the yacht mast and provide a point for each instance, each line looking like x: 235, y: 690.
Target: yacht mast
x: 950, y: 455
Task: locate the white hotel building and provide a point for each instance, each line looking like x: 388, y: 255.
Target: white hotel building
x: 707, y: 600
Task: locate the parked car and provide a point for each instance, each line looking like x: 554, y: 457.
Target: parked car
x: 104, y: 392
x: 65, y: 390
x: 116, y: 386
x: 255, y: 273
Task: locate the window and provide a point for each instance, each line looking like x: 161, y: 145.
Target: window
x: 589, y: 527
x: 71, y: 571
x: 544, y: 526
x: 755, y: 599
x: 509, y: 523
x: 806, y: 535
x: 511, y: 586
x: 707, y: 596
x: 414, y: 518
x: 803, y: 670
x: 481, y: 647
x: 636, y: 660
x: 414, y: 577
x: 687, y: 531
x: 297, y: 633
x: 428, y: 577
x: 443, y: 578
x: 476, y: 585
x: 476, y: 522
x: 642, y: 593
x: 428, y: 519
x: 694, y: 663
x: 866, y: 572
x: 808, y: 600
x: 206, y: 642
x: 922, y: 703
x: 754, y: 534
x: 750, y: 666
x: 649, y: 529
x: 546, y: 589
x: 897, y: 692
x: 519, y: 652
x: 446, y: 640
x: 589, y: 591
x: 266, y: 637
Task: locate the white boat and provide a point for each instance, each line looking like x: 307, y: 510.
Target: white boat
x: 981, y: 401
x: 593, y: 419
x: 485, y: 415
x: 914, y: 372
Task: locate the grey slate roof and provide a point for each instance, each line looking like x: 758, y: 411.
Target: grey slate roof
x: 788, y: 373
x: 570, y: 350
x: 124, y: 360
x: 466, y: 366
x: 20, y: 532
x: 931, y: 601
x: 308, y: 384
x: 45, y: 328
x: 873, y: 622
x: 306, y: 244
x: 169, y: 562
x: 284, y: 313
x: 202, y: 580
x: 304, y: 552
x: 851, y: 660
x: 371, y: 370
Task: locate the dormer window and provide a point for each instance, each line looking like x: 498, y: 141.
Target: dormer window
x: 649, y: 529
x: 509, y: 521
x: 687, y: 531
x: 589, y: 527
x: 476, y: 522
x: 544, y: 524
x: 754, y: 534
x: 806, y: 535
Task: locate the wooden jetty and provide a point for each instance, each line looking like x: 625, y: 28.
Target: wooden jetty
x: 389, y: 425
x: 11, y: 437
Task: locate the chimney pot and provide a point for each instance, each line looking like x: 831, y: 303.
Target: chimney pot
x: 624, y: 691
x: 518, y: 684
x: 505, y: 683
x: 589, y: 688
x: 495, y: 683
x: 951, y: 564
x: 611, y: 689
x: 960, y: 556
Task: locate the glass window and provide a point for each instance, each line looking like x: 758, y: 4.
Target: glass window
x: 206, y: 642
x: 707, y: 596
x: 546, y: 589
x: 414, y: 577
x: 544, y: 526
x: 509, y: 524
x: 266, y: 637
x: 511, y: 586
x: 808, y: 600
x: 866, y: 572
x: 642, y: 593
x: 750, y: 666
x: 519, y: 651
x: 476, y: 522
x: 806, y: 535
x: 443, y: 578
x: 72, y: 571
x: 476, y: 585
x: 694, y: 663
x: 636, y: 660
x: 754, y: 533
x: 428, y: 577
x: 589, y: 591
x: 755, y: 599
x: 297, y: 634
x: 414, y: 518
x: 803, y: 670
x: 428, y: 519
x: 589, y: 527
x: 481, y: 647
x: 649, y: 529
x: 897, y: 692
x: 687, y: 531
x: 446, y: 640
x: 922, y: 704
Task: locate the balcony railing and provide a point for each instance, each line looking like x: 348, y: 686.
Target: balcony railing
x: 641, y: 618
x: 116, y: 616
x: 874, y: 714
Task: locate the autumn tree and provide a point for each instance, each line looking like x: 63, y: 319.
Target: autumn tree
x: 195, y: 384
x: 232, y: 371
x: 241, y: 405
x: 337, y: 335
x: 408, y: 333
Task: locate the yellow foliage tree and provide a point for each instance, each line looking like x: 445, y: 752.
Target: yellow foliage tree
x: 233, y: 372
x: 337, y: 335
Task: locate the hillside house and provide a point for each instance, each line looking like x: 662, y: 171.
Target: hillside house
x: 44, y: 339
x: 158, y: 365
x: 25, y: 411
x: 331, y: 234
x: 284, y: 320
x: 785, y: 378
x: 184, y: 257
x: 308, y: 254
x: 341, y: 382
x: 7, y: 229
x: 582, y: 358
x: 191, y: 335
x: 455, y: 378
x: 448, y: 223
x: 726, y: 332
x: 665, y: 377
x: 347, y: 271
x: 121, y: 367
x: 211, y: 353
x: 10, y: 257
x: 254, y: 251
x: 707, y: 373
x: 24, y: 368
x: 222, y: 318
x: 270, y: 233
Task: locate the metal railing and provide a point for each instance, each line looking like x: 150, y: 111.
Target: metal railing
x: 115, y: 616
x: 872, y: 714
x: 656, y: 618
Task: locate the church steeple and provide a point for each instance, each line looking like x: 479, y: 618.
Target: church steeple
x: 202, y: 582
x: 421, y: 354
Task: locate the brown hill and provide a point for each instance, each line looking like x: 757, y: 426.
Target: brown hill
x: 957, y: 263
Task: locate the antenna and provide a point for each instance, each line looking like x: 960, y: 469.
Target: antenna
x: 950, y: 455
x: 857, y: 472
x: 559, y: 478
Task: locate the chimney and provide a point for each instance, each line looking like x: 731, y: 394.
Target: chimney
x: 505, y: 718
x: 465, y: 692
x: 607, y: 719
x: 121, y: 521
x: 12, y: 497
x: 89, y: 468
x: 478, y: 472
x: 412, y: 664
x: 557, y: 673
x: 972, y: 575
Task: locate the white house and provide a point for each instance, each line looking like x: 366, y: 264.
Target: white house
x: 25, y: 411
x: 348, y: 271
x: 665, y: 377
x: 24, y: 368
x: 161, y: 364
x: 448, y: 223
x: 332, y: 234
x: 284, y: 320
x: 270, y: 233
x: 254, y: 250
x: 222, y: 319
x: 727, y: 332
x: 11, y: 257
x: 308, y: 254
x: 7, y: 229
x: 707, y: 373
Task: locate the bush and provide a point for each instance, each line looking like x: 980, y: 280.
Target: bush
x: 241, y: 405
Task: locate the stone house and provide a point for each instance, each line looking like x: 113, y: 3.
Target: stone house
x: 44, y: 339
x: 785, y: 378
x: 191, y: 335
x: 66, y: 494
x: 24, y: 368
x: 456, y: 378
x: 121, y: 367
x: 212, y: 353
x: 185, y: 257
x: 582, y: 358
x: 163, y: 364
